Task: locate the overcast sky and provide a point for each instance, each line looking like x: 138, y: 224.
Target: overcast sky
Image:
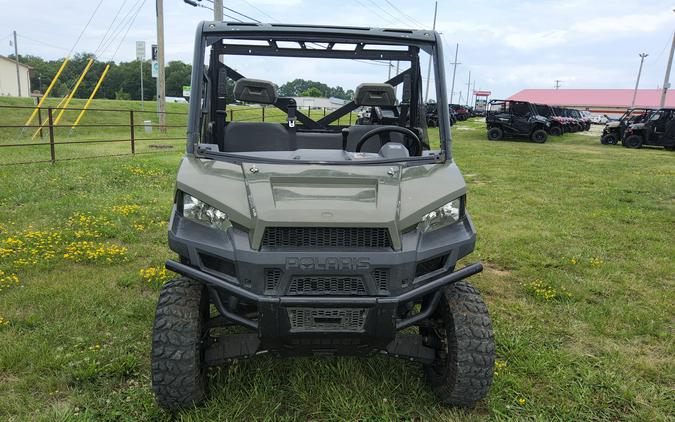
x: 508, y: 45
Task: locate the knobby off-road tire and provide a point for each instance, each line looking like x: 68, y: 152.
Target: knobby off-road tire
x: 462, y: 372
x: 633, y: 141
x: 495, y: 134
x: 556, y: 131
x: 539, y: 136
x: 609, y: 139
x: 178, y: 371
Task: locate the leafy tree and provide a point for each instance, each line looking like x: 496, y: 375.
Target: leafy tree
x: 312, y: 91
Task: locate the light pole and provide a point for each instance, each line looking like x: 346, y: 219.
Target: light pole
x: 637, y: 82
x: 666, y: 80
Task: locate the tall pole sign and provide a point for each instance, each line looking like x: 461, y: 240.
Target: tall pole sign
x: 154, y: 71
x: 140, y: 56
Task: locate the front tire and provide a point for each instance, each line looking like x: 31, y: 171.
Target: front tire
x: 495, y: 134
x: 556, y: 131
x: 539, y: 136
x: 633, y: 141
x: 462, y: 372
x: 178, y: 370
x: 609, y: 139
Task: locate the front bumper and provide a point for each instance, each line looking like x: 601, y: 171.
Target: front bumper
x: 289, y: 322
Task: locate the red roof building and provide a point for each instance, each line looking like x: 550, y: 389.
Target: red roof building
x: 600, y: 101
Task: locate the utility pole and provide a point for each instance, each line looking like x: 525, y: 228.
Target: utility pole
x: 473, y: 93
x: 557, y: 83
x: 460, y: 98
x: 454, y: 70
x: 666, y: 80
x: 18, y: 72
x: 468, y: 86
x: 161, y: 81
x: 218, y: 10
x: 637, y: 82
x: 389, y: 74
x: 426, y: 94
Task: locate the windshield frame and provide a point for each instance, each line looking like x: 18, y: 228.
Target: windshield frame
x: 210, y: 32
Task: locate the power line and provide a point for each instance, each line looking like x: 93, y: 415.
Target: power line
x: 119, y: 28
x: 127, y: 31
x: 365, y: 5
x: 261, y: 11
x: 85, y: 27
x: 387, y: 12
x: 407, y: 16
x: 31, y: 40
x: 192, y: 3
x: 100, y: 44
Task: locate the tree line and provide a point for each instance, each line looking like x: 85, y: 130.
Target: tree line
x: 123, y: 79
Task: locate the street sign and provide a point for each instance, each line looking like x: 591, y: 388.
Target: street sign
x: 140, y: 50
x: 155, y: 63
x: 186, y: 90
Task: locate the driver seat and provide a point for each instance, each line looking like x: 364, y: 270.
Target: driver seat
x: 372, y: 95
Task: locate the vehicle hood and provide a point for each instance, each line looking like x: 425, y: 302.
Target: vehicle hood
x: 612, y: 124
x: 637, y: 126
x: 259, y: 195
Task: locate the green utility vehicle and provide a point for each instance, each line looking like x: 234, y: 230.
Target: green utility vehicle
x: 310, y: 237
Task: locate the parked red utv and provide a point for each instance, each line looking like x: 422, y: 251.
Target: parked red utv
x: 557, y: 123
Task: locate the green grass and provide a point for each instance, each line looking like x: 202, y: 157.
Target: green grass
x: 576, y: 238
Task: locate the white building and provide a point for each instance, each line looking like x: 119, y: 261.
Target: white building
x: 319, y: 102
x: 8, y: 83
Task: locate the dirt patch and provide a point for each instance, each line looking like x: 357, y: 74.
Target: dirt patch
x: 496, y: 270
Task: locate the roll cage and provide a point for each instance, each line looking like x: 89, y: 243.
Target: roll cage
x: 208, y: 103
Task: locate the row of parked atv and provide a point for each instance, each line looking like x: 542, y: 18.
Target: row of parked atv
x: 521, y: 119
x: 642, y: 126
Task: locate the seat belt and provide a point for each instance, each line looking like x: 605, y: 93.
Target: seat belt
x: 292, y: 141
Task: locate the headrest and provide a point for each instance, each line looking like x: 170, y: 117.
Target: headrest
x: 255, y: 91
x: 375, y: 95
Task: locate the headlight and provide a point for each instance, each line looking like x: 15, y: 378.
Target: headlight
x: 196, y: 210
x: 446, y: 215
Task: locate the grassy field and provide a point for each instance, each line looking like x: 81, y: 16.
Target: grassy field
x: 576, y: 237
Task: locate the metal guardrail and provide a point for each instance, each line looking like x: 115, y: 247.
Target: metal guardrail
x: 46, y: 128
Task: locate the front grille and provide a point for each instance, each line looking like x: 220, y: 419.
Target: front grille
x: 326, y: 237
x: 327, y: 285
x: 272, y: 276
x: 381, y: 278
x: 327, y: 319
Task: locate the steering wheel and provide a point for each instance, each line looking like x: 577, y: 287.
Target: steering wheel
x: 386, y: 129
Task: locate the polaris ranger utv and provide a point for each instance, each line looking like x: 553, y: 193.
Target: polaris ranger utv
x: 614, y: 130
x: 515, y: 119
x: 657, y: 129
x: 312, y: 238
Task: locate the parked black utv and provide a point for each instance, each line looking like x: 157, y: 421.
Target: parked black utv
x: 431, y: 110
x: 515, y: 119
x: 615, y: 129
x: 657, y: 129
